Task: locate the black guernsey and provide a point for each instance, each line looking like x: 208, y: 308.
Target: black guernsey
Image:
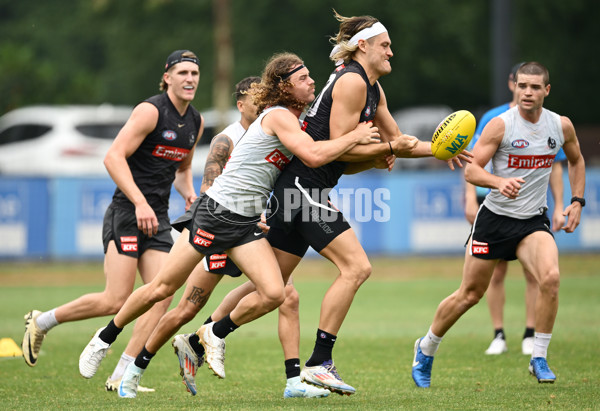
x: 316, y: 124
x: 154, y: 163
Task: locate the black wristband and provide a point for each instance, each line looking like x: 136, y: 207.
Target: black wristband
x: 391, y: 151
x: 580, y: 200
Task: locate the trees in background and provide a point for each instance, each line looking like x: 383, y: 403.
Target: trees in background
x: 95, y: 51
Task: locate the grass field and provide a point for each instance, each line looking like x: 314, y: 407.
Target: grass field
x: 373, y: 352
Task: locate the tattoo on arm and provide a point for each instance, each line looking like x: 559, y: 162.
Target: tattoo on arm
x: 220, y: 150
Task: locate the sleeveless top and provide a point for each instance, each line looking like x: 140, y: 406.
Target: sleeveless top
x: 154, y: 163
x: 234, y: 131
x: 249, y: 176
x: 527, y: 150
x: 316, y: 124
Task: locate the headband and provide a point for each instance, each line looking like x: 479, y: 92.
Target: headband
x: 365, y: 34
x: 289, y: 73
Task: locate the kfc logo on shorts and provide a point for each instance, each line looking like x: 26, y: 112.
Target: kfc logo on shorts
x: 129, y: 243
x: 278, y: 159
x: 480, y: 248
x: 202, y: 242
x: 215, y: 265
x: 202, y: 238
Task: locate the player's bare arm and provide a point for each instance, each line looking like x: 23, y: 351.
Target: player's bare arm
x: 142, y: 121
x: 221, y: 147
x: 486, y: 146
x: 349, y: 96
x: 184, y: 178
x: 286, y: 127
x: 576, y: 174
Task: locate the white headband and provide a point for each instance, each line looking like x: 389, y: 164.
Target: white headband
x: 365, y: 34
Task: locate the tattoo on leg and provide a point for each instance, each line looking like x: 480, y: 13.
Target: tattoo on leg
x: 198, y: 296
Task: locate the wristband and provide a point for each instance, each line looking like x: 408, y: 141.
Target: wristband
x: 391, y: 151
x: 580, y: 200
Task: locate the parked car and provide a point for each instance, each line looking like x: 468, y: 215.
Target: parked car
x: 58, y: 140
x: 421, y: 122
x: 72, y: 140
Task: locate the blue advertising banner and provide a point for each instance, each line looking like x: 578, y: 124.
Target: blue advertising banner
x: 24, y: 217
x: 397, y: 213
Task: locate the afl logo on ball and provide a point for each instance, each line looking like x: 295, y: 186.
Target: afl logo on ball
x: 169, y: 135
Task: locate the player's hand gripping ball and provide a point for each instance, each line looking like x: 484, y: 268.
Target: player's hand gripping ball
x: 453, y: 135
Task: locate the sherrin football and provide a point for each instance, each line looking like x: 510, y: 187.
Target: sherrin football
x: 453, y: 135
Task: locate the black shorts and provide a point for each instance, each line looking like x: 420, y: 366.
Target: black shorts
x: 221, y: 264
x: 120, y: 225
x: 214, y: 229
x: 300, y: 217
x: 497, y: 237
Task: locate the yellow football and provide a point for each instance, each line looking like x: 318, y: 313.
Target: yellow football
x: 453, y: 135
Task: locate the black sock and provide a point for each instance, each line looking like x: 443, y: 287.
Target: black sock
x: 143, y: 358
x: 224, y: 326
x: 497, y: 333
x: 208, y: 320
x: 323, y: 348
x: 529, y: 332
x: 194, y: 341
x: 110, y: 333
x: 292, y: 368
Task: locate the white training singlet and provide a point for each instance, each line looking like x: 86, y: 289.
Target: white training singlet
x: 249, y: 176
x: 234, y: 131
x: 527, y: 150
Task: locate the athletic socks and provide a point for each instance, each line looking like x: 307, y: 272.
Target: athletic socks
x: 499, y: 333
x: 194, y: 341
x: 430, y: 343
x: 110, y: 333
x: 224, y: 327
x: 121, y: 365
x: 292, y: 368
x: 529, y: 332
x: 143, y: 358
x: 323, y: 348
x: 47, y: 320
x: 540, y: 345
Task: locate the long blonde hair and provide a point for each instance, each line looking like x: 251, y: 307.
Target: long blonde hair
x: 349, y: 26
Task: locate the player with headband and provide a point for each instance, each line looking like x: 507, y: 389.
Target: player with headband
x: 351, y: 95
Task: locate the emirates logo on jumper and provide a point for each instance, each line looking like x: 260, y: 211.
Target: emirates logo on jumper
x: 278, y: 159
x: 170, y: 153
x: 515, y: 161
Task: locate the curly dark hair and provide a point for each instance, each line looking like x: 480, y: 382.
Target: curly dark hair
x: 274, y: 87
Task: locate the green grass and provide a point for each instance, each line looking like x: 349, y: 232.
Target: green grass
x: 373, y: 352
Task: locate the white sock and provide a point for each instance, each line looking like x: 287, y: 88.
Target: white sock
x: 120, y: 368
x: 540, y: 345
x: 47, y: 320
x: 430, y: 343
